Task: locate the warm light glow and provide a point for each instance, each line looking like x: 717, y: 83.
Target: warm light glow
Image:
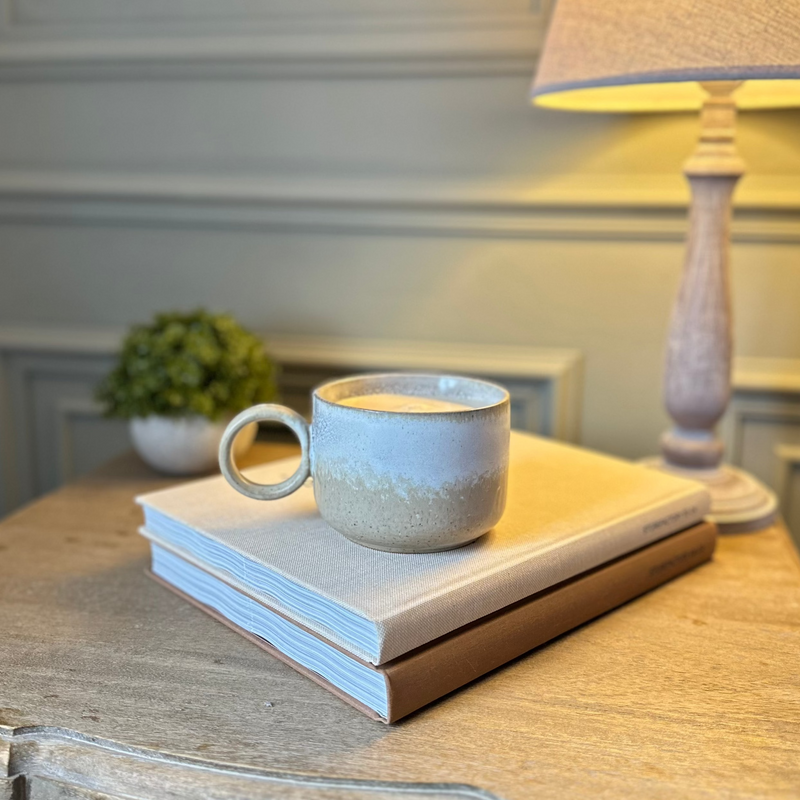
x: 673, y: 96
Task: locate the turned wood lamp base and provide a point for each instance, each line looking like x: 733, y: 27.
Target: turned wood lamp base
x: 739, y: 503
x: 697, y: 380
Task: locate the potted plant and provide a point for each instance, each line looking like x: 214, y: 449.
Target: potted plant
x: 180, y: 380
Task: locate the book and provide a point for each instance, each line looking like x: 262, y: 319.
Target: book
x: 568, y: 511
x: 406, y: 684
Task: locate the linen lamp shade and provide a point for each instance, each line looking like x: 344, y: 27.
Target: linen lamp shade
x: 649, y: 55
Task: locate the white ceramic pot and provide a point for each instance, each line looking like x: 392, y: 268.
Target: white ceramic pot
x: 184, y: 445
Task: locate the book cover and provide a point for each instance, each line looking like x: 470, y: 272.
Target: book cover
x: 569, y: 510
x: 406, y: 684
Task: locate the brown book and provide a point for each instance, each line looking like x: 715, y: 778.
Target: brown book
x: 429, y: 672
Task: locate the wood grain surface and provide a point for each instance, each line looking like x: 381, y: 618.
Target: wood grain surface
x: 112, y: 686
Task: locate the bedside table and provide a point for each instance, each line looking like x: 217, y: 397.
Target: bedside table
x: 113, y: 687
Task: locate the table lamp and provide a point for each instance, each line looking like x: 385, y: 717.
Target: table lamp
x: 712, y: 55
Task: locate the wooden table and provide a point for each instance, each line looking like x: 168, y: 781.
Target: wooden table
x: 111, y: 686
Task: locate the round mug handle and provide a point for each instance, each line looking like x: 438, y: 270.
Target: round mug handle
x: 264, y: 412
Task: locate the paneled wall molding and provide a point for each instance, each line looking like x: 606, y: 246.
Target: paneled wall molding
x: 44, y: 339
x: 788, y: 484
x: 762, y: 427
x: 545, y: 384
x: 68, y: 411
x: 51, y: 429
x: 650, y: 208
x: 745, y: 414
x: 85, y: 39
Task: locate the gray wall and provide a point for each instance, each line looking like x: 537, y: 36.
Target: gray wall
x: 374, y: 170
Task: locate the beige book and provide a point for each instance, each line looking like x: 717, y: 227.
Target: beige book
x: 569, y: 510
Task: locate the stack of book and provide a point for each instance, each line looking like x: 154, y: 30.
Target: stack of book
x: 389, y: 633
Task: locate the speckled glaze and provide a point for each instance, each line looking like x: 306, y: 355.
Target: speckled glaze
x: 405, y: 482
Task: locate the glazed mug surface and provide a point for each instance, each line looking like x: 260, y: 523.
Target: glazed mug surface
x: 400, y: 462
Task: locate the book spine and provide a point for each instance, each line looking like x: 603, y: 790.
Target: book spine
x: 433, y: 671
x: 498, y: 588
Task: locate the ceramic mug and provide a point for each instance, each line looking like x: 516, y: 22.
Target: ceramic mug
x: 400, y: 462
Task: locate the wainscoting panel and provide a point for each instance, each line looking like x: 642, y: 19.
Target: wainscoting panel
x: 545, y: 385
x: 54, y: 429
x: 762, y: 428
x: 789, y: 487
x: 51, y: 430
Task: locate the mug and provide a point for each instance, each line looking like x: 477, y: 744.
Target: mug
x: 400, y: 462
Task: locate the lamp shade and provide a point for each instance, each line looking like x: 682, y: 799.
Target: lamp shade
x: 648, y: 55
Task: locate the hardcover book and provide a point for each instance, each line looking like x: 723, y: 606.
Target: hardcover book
x: 569, y: 510
x: 405, y: 684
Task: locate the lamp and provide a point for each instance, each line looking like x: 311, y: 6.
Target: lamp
x: 713, y: 55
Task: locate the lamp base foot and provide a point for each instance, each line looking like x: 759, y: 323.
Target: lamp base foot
x: 739, y: 503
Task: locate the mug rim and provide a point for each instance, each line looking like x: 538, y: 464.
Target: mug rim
x: 505, y: 398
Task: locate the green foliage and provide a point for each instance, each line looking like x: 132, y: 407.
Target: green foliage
x: 188, y: 363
